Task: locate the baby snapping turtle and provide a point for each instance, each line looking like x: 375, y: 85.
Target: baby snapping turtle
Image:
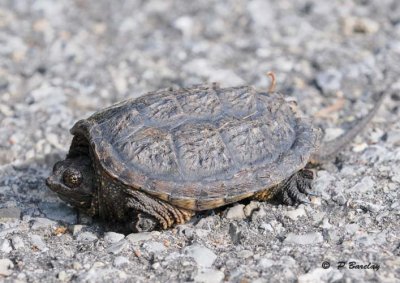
x: 153, y: 161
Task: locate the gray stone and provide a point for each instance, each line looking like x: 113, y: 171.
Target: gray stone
x: 305, y: 239
x: 5, y: 246
x: 154, y: 247
x: 321, y: 275
x: 244, y: 254
x: 10, y: 213
x: 38, y: 242
x: 236, y: 212
x: 365, y: 185
x: 329, y: 81
x: 76, y: 229
x: 40, y: 222
x: 296, y: 213
x: 17, y: 242
x: 252, y: 206
x: 120, y: 261
x: 209, y: 276
x: 266, y: 263
x: 6, y: 267
x: 59, y: 211
x: 203, y: 256
x: 117, y: 247
x: 139, y: 237
x: 86, y: 237
x: 62, y: 275
x: 112, y: 237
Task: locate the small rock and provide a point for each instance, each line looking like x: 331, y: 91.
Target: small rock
x: 5, y: 246
x: 332, y: 133
x: 156, y: 265
x: 112, y: 237
x: 59, y: 211
x: 154, y: 247
x: 203, y: 256
x: 236, y: 212
x: 266, y: 263
x: 42, y: 223
x: 394, y: 137
x: 253, y: 205
x: 365, y: 185
x: 329, y: 81
x: 296, y: 213
x: 38, y: 242
x: 62, y: 275
x: 235, y: 233
x: 76, y: 229
x: 209, y: 276
x: 17, y: 242
x: 10, y: 213
x: 306, y: 239
x: 87, y: 237
x: 138, y: 237
x: 120, y: 261
x: 321, y: 275
x: 352, y: 25
x: 6, y: 267
x: 116, y: 248
x: 76, y: 265
x: 352, y: 228
x: 245, y: 254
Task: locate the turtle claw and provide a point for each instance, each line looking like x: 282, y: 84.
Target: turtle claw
x: 297, y: 188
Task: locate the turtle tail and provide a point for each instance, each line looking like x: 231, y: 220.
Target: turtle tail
x: 329, y: 150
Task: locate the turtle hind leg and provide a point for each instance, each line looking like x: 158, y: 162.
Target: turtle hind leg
x: 150, y: 213
x: 292, y: 191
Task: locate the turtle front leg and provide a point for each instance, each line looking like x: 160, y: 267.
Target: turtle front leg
x: 293, y: 190
x: 149, y: 213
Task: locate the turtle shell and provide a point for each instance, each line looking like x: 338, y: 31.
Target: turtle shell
x: 201, y: 147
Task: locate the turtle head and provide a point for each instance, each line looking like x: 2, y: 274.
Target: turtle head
x: 73, y: 179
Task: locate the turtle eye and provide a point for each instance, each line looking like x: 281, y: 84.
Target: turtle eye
x: 72, y: 177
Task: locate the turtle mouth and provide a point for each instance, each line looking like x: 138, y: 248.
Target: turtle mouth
x: 75, y: 197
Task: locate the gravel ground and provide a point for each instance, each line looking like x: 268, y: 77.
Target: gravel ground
x: 62, y: 60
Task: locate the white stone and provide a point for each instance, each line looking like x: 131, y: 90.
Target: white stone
x: 236, y: 212
x: 203, y: 256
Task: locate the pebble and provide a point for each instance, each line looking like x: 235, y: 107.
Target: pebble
x: 321, y: 275
x: 154, y: 247
x: 86, y: 237
x: 117, y: 248
x: 329, y: 81
x: 305, y: 239
x: 112, y: 237
x: 38, y: 242
x: 5, y: 246
x: 365, y: 185
x: 76, y: 229
x: 62, y: 275
x: 266, y: 263
x: 252, y: 206
x: 40, y: 222
x: 6, y: 267
x: 235, y: 233
x: 296, y: 213
x: 139, y: 237
x: 17, y: 242
x: 10, y: 213
x: 209, y: 276
x: 59, y: 211
x: 236, y: 212
x: 120, y: 261
x: 245, y: 254
x: 203, y: 256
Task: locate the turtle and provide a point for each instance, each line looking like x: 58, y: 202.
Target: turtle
x: 153, y: 162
